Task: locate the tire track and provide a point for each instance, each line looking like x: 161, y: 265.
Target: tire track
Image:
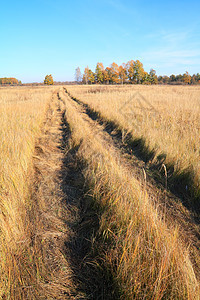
x: 143, y: 156
x: 68, y: 220
x: 168, y: 203
x: 49, y: 228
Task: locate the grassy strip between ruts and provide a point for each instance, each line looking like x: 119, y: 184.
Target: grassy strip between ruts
x: 165, y: 129
x: 148, y: 260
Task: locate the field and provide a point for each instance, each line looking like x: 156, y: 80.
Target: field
x: 99, y: 192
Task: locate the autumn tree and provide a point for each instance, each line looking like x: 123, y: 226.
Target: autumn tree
x: 123, y: 73
x: 172, y: 78
x: 166, y: 79
x: 48, y: 80
x: 135, y: 71
x: 106, y: 75
x: 193, y: 79
x: 197, y: 77
x: 130, y: 71
x: 114, y: 73
x: 91, y: 78
x: 146, y: 78
x: 139, y: 71
x: 86, y: 75
x: 99, y: 73
x: 160, y: 79
x: 78, y: 75
x: 186, y: 78
x: 152, y: 77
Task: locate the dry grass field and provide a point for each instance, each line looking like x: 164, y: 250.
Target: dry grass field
x: 22, y: 113
x: 164, y: 120
x: 99, y: 192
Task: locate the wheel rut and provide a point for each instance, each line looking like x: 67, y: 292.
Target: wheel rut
x: 169, y: 204
x: 68, y: 217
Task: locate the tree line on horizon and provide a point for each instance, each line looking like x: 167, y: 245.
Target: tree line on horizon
x: 10, y: 81
x: 131, y: 72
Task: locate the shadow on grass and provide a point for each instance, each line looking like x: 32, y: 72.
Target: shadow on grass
x: 85, y: 247
x: 180, y: 182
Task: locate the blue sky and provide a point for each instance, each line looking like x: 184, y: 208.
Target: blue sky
x: 55, y: 36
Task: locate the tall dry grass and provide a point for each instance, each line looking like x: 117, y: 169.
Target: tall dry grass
x: 166, y: 118
x: 22, y: 112
x: 147, y: 259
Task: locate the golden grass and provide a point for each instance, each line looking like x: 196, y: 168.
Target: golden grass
x: 166, y: 118
x: 22, y: 114
x: 148, y: 260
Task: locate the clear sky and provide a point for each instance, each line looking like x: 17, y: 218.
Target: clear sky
x: 42, y: 37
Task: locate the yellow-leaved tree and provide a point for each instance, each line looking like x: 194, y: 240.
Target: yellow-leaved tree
x: 48, y: 79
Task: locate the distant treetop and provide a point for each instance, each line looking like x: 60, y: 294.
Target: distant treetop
x: 48, y: 79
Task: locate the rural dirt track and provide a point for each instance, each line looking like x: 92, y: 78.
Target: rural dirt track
x: 69, y: 217
x: 167, y: 202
